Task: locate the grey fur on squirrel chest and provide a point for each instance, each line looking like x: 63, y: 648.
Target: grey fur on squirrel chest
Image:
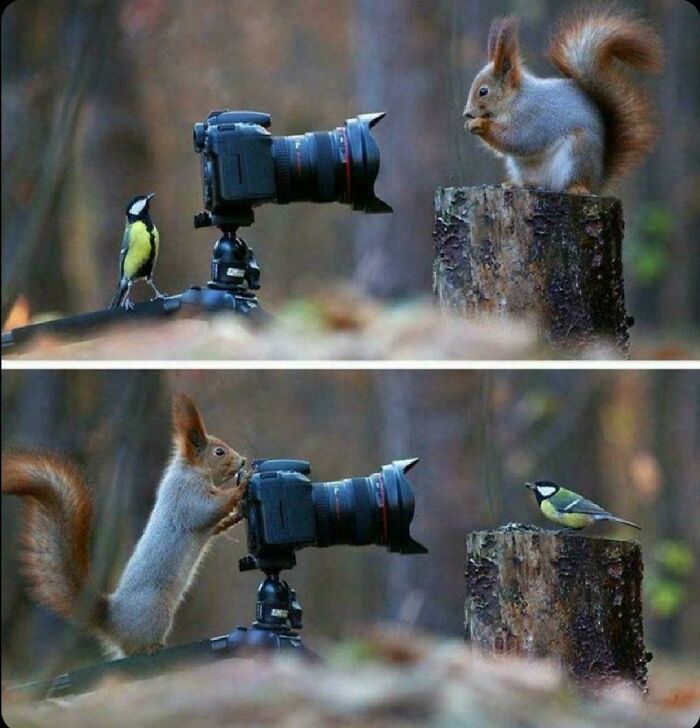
x: 552, y: 257
x: 568, y: 597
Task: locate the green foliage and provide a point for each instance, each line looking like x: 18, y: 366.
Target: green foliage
x: 675, y: 556
x: 666, y: 597
x: 666, y: 584
x: 648, y: 244
x: 352, y: 652
x: 303, y: 312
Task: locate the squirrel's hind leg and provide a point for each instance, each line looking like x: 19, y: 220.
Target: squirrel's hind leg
x: 585, y: 164
x: 515, y: 175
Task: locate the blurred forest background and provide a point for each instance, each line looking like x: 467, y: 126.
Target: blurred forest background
x: 629, y: 440
x: 99, y: 98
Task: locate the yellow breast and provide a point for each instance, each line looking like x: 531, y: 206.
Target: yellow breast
x: 570, y: 520
x: 143, y: 250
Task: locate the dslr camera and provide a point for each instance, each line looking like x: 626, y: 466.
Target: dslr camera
x: 243, y: 166
x: 285, y: 512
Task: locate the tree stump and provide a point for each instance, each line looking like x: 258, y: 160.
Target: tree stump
x: 567, y: 597
x: 519, y: 252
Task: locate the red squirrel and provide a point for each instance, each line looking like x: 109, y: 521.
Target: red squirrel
x: 576, y: 134
x: 192, y: 505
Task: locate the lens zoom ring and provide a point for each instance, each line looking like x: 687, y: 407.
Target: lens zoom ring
x: 283, y: 170
x: 363, y: 510
x: 325, y: 167
x: 323, y: 515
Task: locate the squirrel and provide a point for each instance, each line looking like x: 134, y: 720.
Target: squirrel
x: 577, y: 134
x: 192, y: 505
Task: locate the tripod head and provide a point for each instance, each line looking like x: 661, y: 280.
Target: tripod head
x: 277, y: 608
x: 234, y: 269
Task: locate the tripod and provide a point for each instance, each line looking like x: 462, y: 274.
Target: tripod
x: 278, y: 615
x: 235, y: 275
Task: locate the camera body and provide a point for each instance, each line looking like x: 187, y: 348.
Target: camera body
x: 243, y: 166
x: 285, y: 511
x: 238, y: 170
x: 279, y: 507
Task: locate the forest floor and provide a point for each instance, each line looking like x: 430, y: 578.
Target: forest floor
x: 392, y: 680
x: 338, y: 326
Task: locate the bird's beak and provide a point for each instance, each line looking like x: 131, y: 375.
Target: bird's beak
x: 149, y: 197
x: 530, y: 486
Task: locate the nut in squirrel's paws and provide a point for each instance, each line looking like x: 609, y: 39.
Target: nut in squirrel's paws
x: 478, y: 126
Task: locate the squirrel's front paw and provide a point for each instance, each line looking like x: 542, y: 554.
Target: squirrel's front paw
x: 478, y: 126
x: 242, y: 479
x: 228, y: 522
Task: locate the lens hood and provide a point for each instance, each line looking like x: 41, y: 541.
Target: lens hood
x: 399, y: 507
x: 364, y: 163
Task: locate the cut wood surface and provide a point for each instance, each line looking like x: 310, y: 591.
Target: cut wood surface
x: 556, y: 258
x: 570, y: 597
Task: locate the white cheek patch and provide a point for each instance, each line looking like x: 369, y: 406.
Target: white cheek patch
x: 546, y: 490
x: 137, y: 207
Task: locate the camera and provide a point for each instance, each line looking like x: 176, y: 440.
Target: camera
x: 285, y: 511
x: 243, y: 166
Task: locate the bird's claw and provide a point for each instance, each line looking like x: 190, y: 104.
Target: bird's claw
x: 127, y: 304
x: 155, y: 290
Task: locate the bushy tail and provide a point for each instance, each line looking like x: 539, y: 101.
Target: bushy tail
x: 55, y: 535
x: 590, y: 48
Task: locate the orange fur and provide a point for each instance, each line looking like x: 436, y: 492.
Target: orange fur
x: 589, y: 48
x: 55, y: 534
x: 488, y: 130
x: 189, y: 432
x: 55, y: 540
x: 578, y: 190
x: 504, y: 49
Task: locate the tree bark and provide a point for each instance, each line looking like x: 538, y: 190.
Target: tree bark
x: 520, y: 252
x: 568, y: 597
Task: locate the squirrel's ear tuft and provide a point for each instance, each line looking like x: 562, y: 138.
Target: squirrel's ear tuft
x: 188, y: 428
x: 494, y: 32
x: 504, y: 49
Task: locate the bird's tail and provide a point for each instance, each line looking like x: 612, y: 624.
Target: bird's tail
x: 119, y: 295
x: 610, y: 517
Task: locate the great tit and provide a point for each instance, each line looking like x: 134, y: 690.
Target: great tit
x: 139, y: 250
x: 568, y: 508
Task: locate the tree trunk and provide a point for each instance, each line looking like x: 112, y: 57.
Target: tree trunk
x: 520, y: 252
x: 395, y: 63
x: 568, y: 597
x: 435, y: 417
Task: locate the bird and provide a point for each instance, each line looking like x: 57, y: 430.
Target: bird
x: 139, y: 250
x: 568, y: 508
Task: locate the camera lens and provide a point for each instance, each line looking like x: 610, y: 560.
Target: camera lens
x: 328, y: 166
x: 377, y: 509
